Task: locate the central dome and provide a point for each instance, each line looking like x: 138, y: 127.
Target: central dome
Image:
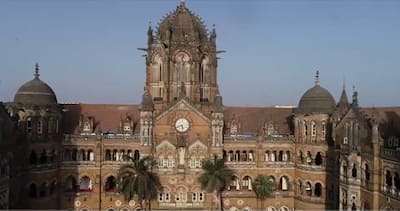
x: 35, y: 92
x: 182, y: 24
x: 317, y: 100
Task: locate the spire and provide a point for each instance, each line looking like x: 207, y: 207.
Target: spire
x: 355, y: 97
x: 181, y: 3
x: 213, y: 35
x: 343, y: 103
x: 317, y: 78
x: 37, y: 68
x: 149, y: 35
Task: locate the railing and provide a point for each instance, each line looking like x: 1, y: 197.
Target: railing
x: 105, y: 137
x: 230, y: 138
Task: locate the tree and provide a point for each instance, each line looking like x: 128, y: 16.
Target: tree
x: 263, y: 186
x: 216, y: 175
x: 137, y: 180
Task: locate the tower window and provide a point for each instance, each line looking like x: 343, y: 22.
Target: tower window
x: 39, y: 128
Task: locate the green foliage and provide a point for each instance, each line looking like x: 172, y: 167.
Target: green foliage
x: 263, y: 186
x: 216, y: 175
x: 137, y: 180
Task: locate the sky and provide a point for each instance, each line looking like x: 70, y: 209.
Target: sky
x: 87, y: 49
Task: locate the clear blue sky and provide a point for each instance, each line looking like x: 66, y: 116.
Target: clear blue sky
x: 88, y: 48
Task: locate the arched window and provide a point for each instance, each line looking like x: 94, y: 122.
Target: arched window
x: 396, y: 181
x: 247, y: 183
x: 32, y: 190
x: 29, y: 125
x: 284, y: 208
x: 33, y: 158
x: 136, y: 156
x: 280, y: 156
x: 388, y: 178
x: 67, y: 155
x: 90, y: 155
x: 111, y: 184
x: 308, y: 189
x: 70, y: 184
x: 354, y: 171
x: 318, y: 189
x: 85, y: 184
x: 43, y: 190
x: 301, y: 156
x: 235, y: 185
x: 43, y: 157
x: 309, y: 159
x: 82, y: 154
x: 74, y: 154
x: 251, y: 156
x: 164, y: 195
x: 108, y: 155
x: 299, y: 187
x: 284, y: 183
x: 266, y: 156
x: 318, y: 159
x: 273, y: 182
x: 367, y: 173
x: 271, y: 208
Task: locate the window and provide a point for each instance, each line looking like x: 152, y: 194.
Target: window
x: 313, y: 129
x: 284, y: 184
x: 39, y: 128
x: 111, y: 184
x: 86, y: 126
x: 85, y: 184
x: 318, y: 189
x: 28, y: 125
x: 197, y: 196
x: 164, y: 196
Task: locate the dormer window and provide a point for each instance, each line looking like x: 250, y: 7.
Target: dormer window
x: 234, y: 129
x: 270, y: 129
x: 86, y: 126
x: 39, y: 128
x: 127, y: 127
x: 28, y: 125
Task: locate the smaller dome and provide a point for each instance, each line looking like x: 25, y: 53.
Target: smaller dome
x: 317, y: 100
x: 35, y: 92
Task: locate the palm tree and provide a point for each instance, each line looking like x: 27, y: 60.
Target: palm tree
x: 263, y: 186
x: 137, y: 180
x: 216, y: 175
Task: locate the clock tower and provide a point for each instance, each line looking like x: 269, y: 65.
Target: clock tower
x: 181, y: 116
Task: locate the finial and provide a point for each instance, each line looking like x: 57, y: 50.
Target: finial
x: 317, y: 78
x: 182, y: 3
x: 37, y: 68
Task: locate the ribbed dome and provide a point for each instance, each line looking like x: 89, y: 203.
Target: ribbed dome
x: 35, y: 92
x: 182, y: 25
x: 317, y: 100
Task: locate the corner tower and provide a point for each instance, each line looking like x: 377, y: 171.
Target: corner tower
x: 181, y: 55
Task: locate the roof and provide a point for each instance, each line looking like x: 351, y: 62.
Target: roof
x: 389, y: 120
x: 35, y: 91
x: 182, y: 24
x: 108, y: 116
x: 317, y: 100
x: 252, y: 120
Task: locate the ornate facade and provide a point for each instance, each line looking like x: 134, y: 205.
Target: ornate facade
x: 320, y: 155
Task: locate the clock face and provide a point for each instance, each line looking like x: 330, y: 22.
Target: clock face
x: 182, y: 125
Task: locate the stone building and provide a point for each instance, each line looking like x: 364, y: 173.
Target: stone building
x: 320, y: 155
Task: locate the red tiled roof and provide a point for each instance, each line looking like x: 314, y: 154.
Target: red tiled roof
x: 251, y: 119
x: 108, y: 116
